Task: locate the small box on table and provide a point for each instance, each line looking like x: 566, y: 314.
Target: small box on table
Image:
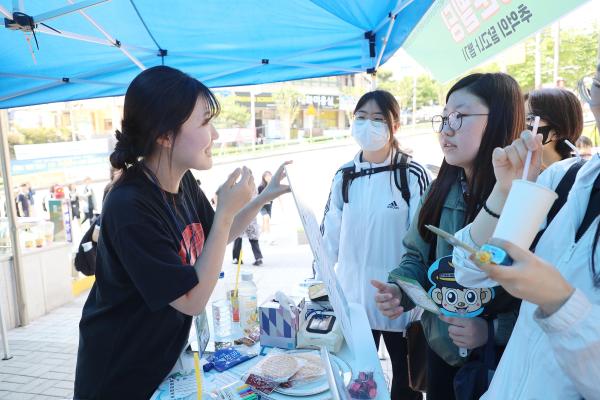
x: 279, y: 324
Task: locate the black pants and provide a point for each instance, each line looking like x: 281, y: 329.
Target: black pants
x: 440, y: 377
x: 89, y: 215
x: 395, y: 342
x: 237, y: 248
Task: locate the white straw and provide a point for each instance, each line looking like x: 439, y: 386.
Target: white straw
x: 572, y: 146
x: 536, y: 124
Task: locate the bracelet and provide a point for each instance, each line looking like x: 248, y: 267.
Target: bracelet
x: 490, y: 212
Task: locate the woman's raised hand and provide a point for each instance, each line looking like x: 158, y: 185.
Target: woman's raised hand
x: 509, y: 161
x: 233, y: 195
x: 275, y: 188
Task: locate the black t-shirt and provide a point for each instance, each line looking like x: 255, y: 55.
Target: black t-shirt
x: 129, y: 335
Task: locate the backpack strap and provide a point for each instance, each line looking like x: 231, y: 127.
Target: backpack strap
x: 401, y: 168
x: 562, y: 190
x: 347, y: 177
x: 349, y: 174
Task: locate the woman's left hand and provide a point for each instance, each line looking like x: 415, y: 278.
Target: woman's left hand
x: 275, y: 188
x: 529, y: 278
x: 467, y: 333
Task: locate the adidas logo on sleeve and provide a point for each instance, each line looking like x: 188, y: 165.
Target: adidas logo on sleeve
x: 393, y: 205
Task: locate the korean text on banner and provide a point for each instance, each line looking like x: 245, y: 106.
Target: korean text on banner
x: 457, y: 35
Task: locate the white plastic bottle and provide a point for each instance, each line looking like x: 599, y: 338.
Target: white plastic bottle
x: 247, y: 300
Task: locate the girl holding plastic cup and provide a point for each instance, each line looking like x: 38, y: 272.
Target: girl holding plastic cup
x: 554, y: 350
x: 482, y: 111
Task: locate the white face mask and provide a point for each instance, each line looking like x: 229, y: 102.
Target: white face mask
x: 370, y: 135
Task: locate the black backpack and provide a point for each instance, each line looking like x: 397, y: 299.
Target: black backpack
x: 400, y: 168
x: 562, y: 190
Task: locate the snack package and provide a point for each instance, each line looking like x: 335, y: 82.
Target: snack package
x: 363, y: 387
x: 251, y: 337
x: 223, y: 359
x: 311, y: 371
x: 272, y: 371
x: 278, y: 367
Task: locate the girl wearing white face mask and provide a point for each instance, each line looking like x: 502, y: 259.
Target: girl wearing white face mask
x: 375, y: 194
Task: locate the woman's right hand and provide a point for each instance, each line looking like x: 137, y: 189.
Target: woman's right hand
x: 232, y: 196
x: 388, y: 299
x: 509, y: 161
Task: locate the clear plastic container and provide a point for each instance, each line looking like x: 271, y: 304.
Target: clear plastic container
x: 221, y: 313
x: 248, y: 303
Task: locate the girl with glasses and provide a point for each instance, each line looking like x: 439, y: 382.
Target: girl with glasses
x: 373, y: 198
x: 561, y: 118
x: 482, y: 112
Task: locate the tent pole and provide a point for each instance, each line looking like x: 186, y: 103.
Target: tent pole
x: 12, y: 220
x: 5, y: 347
x: 109, y: 37
x: 385, y: 40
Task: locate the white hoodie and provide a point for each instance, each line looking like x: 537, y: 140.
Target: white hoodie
x: 558, y: 356
x: 364, y: 236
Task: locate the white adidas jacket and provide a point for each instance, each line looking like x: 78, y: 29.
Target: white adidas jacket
x: 364, y: 236
x: 554, y: 357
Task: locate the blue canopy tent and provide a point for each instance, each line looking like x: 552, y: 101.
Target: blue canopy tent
x: 94, y: 48
x: 63, y: 50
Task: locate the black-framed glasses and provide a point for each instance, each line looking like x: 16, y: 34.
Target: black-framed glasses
x: 454, y: 121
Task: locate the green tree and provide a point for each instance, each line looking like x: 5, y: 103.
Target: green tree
x: 429, y: 91
x: 233, y: 115
x: 38, y: 135
x: 577, y: 57
x: 287, y: 103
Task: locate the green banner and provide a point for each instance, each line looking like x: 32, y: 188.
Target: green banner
x: 457, y: 35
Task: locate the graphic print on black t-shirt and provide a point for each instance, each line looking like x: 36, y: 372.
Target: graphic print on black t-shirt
x: 192, y: 243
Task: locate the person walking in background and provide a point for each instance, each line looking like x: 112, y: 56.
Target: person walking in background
x: 23, y: 209
x: 252, y: 232
x: 31, y: 198
x: 88, y: 195
x: 265, y: 211
x: 74, y: 199
x: 584, y: 144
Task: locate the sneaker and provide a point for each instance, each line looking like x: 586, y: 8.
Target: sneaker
x: 258, y: 262
x: 235, y: 261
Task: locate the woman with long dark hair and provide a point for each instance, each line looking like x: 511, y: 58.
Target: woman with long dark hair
x: 372, y: 200
x: 161, y: 244
x: 482, y: 112
x: 554, y: 351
